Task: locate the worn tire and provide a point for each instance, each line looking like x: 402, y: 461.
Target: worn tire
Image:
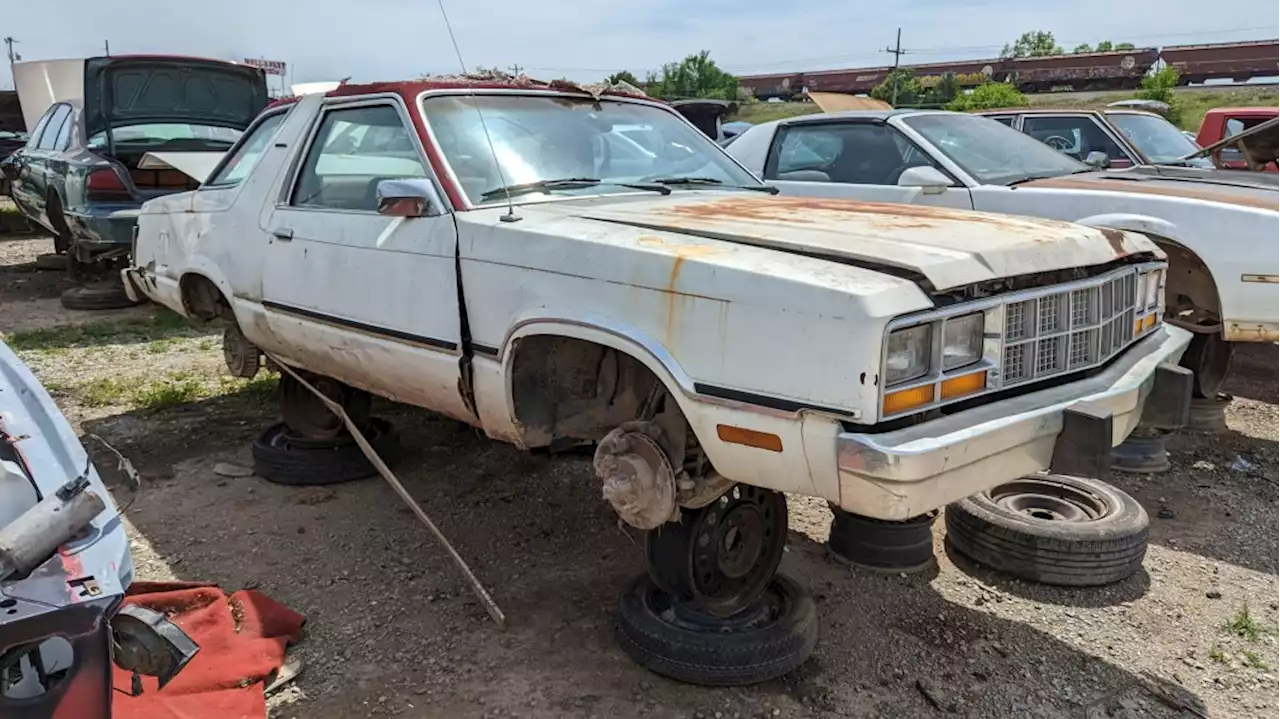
x: 1077, y: 554
x: 279, y: 459
x: 716, y: 658
x: 110, y: 296
x: 51, y: 261
x: 1209, y: 357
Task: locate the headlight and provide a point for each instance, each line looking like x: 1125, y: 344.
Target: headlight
x: 908, y: 354
x: 1153, y: 289
x: 962, y: 341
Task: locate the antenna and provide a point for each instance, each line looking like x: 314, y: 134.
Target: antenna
x: 511, y: 215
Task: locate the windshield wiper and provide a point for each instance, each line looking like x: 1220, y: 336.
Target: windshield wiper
x: 566, y: 183
x: 1049, y: 176
x: 712, y: 181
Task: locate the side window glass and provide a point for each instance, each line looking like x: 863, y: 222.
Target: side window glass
x: 355, y: 149
x: 1074, y: 136
x: 805, y: 153
x: 63, y: 140
x: 855, y: 154
x: 34, y: 140
x: 1235, y: 126
x: 247, y: 154
x: 1004, y: 120
x: 54, y: 128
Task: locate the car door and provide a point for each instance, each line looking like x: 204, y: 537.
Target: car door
x: 28, y: 185
x: 363, y: 297
x: 1076, y: 136
x: 856, y: 160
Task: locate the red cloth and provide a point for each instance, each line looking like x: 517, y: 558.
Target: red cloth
x: 242, y: 639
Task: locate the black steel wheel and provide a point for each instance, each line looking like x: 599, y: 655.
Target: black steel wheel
x: 243, y: 358
x: 307, y: 417
x: 720, y: 558
x: 1210, y: 358
x: 282, y: 458
x: 1052, y: 529
x: 768, y: 638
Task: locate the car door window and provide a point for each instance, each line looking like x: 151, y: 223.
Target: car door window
x: 63, y: 141
x: 354, y: 149
x: 1073, y: 135
x: 245, y: 156
x: 34, y: 140
x: 853, y: 153
x: 52, y: 131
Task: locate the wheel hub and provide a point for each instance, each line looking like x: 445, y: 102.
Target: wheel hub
x: 1049, y: 501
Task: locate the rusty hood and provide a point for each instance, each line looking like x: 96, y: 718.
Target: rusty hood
x: 949, y: 248
x: 1224, y: 187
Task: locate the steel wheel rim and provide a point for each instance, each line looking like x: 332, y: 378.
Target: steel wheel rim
x: 1049, y: 501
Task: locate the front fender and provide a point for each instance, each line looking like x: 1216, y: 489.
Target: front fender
x: 1151, y: 226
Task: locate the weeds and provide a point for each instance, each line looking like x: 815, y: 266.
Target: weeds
x: 1217, y: 655
x: 161, y: 325
x: 1244, y: 625
x: 177, y: 388
x: 102, y: 392
x: 1251, y: 659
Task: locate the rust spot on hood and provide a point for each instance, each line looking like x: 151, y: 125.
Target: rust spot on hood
x: 1190, y: 192
x: 791, y: 209
x: 1115, y: 238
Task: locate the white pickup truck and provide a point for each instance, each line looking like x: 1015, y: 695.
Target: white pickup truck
x: 557, y: 266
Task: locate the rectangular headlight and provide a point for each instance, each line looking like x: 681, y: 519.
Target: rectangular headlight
x: 1153, y: 290
x: 961, y: 341
x: 907, y: 356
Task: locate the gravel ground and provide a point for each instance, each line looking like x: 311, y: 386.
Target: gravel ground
x: 393, y: 630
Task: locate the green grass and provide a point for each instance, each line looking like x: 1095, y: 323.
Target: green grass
x: 1251, y: 659
x: 1244, y: 625
x: 758, y: 112
x: 103, y: 392
x: 1191, y: 104
x: 172, y: 389
x: 1217, y: 655
x: 159, y: 326
x: 159, y: 347
x: 176, y: 388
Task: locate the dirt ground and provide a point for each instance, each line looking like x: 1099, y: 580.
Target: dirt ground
x: 394, y: 631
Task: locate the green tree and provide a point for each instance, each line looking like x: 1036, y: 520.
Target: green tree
x: 1124, y: 46
x: 623, y: 76
x: 989, y: 96
x: 1036, y: 43
x: 909, y: 89
x: 695, y: 76
x: 1159, y: 86
x: 1104, y: 46
x: 1082, y: 47
x: 944, y: 92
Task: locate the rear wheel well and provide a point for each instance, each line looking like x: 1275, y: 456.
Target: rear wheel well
x: 567, y: 391
x: 1189, y: 286
x: 202, y: 299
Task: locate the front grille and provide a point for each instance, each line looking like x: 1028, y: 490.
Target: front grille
x: 1073, y: 329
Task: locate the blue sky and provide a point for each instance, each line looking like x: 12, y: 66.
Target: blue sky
x: 392, y: 39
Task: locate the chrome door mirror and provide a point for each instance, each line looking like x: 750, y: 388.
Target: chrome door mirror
x: 411, y: 197
x: 929, y: 179
x: 1097, y: 159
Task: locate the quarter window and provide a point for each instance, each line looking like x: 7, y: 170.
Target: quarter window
x: 34, y: 140
x: 354, y: 149
x: 53, y: 130
x: 247, y: 154
x: 854, y: 153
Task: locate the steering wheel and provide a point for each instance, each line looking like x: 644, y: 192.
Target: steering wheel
x: 1058, y: 142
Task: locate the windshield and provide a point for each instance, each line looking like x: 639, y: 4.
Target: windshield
x: 167, y: 132
x: 1157, y: 138
x: 541, y: 138
x: 993, y: 153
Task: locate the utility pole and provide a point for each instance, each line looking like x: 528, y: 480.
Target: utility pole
x: 106, y: 46
x: 515, y: 70
x: 897, y: 54
x: 13, y: 56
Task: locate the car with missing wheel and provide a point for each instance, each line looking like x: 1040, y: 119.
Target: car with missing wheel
x: 1218, y: 228
x: 109, y: 133
x: 476, y: 247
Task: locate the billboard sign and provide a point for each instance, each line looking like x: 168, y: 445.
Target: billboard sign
x: 271, y: 67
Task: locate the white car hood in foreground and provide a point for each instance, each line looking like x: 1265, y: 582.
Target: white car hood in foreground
x: 948, y: 247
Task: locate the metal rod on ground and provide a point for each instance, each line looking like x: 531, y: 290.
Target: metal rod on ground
x: 481, y: 593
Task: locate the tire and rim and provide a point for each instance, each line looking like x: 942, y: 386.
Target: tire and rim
x: 880, y: 545
x: 719, y: 558
x: 51, y: 261
x: 241, y: 356
x: 1052, y: 529
x: 97, y: 296
x: 282, y: 458
x: 1209, y: 357
x: 767, y: 639
x: 308, y: 417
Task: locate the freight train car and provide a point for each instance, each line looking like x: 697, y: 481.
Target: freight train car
x: 1239, y: 61
x: 1114, y: 70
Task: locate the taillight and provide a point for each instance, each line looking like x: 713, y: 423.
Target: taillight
x: 105, y: 186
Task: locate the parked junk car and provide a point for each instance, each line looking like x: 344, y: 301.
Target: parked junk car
x: 706, y: 115
x: 64, y: 569
x: 1221, y: 283
x: 730, y: 130
x: 1127, y: 137
x: 1221, y: 123
x: 109, y: 133
x: 722, y: 346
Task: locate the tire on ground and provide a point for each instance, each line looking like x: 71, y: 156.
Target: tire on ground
x: 1079, y: 554
x: 280, y: 459
x: 711, y: 658
x: 103, y: 296
x: 1209, y: 357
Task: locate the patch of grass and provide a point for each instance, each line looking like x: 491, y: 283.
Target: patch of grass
x: 1244, y: 625
x: 102, y: 392
x: 163, y: 324
x: 177, y: 388
x: 263, y: 386
x: 159, y: 347
x: 759, y: 112
x: 205, y: 345
x: 1217, y: 655
x: 1251, y: 659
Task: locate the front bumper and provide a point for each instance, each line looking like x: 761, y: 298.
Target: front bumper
x: 902, y: 474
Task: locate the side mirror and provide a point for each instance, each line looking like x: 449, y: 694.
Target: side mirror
x: 405, y: 198
x: 927, y: 178
x: 1097, y: 159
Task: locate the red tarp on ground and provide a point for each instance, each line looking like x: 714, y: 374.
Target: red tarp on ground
x: 242, y: 639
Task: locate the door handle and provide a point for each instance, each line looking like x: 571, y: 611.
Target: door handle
x: 283, y: 233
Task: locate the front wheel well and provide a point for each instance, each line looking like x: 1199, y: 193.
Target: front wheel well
x: 1189, y: 285
x: 202, y: 299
